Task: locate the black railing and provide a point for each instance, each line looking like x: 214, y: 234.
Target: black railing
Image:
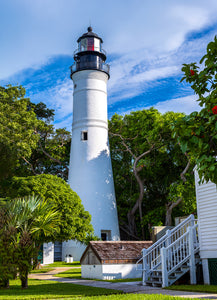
x: 91, y: 65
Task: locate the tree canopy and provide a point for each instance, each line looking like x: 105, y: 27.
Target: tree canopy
x: 75, y: 221
x: 29, y: 143
x: 147, y: 164
x: 17, y: 129
x: 197, y: 132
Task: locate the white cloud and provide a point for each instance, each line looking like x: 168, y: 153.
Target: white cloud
x: 33, y: 31
x: 154, y: 74
x: 147, y: 39
x: 59, y: 98
x: 184, y: 104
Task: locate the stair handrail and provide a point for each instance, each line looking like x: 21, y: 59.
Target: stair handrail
x: 179, y: 252
x: 152, y: 256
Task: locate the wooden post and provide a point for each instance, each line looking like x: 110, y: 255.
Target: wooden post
x: 194, y: 233
x: 163, y: 252
x: 145, y: 267
x: 192, y: 256
x: 168, y: 242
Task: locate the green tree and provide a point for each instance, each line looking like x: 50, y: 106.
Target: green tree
x: 33, y: 221
x: 8, y: 255
x: 17, y: 129
x: 29, y: 143
x: 197, y: 132
x: 146, y: 162
x: 53, y: 149
x: 75, y: 221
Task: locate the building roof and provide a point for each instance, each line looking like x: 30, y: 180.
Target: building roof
x: 117, y: 251
x: 89, y: 33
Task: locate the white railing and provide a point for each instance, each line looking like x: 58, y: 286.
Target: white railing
x: 178, y: 253
x: 152, y: 258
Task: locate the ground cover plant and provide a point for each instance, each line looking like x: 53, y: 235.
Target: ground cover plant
x: 71, y: 273
x: 42, y: 270
x: 195, y: 288
x: 135, y: 297
x: 44, y: 289
x: 63, y: 264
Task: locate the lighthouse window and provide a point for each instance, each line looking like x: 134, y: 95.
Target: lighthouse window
x: 83, y: 45
x: 90, y: 44
x: 106, y: 235
x: 84, y: 135
x: 97, y: 45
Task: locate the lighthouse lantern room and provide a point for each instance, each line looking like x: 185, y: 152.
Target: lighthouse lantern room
x: 90, y: 170
x: 90, y: 54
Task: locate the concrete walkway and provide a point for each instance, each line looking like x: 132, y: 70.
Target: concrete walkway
x: 127, y: 287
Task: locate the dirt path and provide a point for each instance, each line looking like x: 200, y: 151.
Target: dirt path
x: 49, y: 274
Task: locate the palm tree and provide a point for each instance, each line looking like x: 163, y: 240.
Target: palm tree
x: 8, y: 266
x: 35, y: 221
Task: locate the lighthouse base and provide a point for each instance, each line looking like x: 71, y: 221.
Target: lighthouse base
x: 74, y: 249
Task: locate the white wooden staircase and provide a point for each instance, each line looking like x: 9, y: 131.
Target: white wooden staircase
x: 176, y: 253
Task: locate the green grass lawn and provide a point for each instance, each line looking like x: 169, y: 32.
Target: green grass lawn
x: 71, y: 273
x: 135, y: 297
x: 63, y: 264
x: 195, y: 288
x: 76, y: 273
x: 44, y: 289
x: 42, y: 270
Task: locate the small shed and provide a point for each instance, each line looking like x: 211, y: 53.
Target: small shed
x: 206, y: 194
x: 109, y: 260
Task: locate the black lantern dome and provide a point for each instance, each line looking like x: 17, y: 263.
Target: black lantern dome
x: 89, y: 55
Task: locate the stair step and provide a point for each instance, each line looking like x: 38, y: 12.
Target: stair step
x: 178, y: 272
x: 156, y: 277
x: 156, y: 273
x: 155, y: 283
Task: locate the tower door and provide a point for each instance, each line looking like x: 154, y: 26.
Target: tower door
x: 57, y: 251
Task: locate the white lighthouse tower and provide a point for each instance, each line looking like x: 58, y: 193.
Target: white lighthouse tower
x: 90, y: 171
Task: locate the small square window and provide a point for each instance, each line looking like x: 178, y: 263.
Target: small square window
x: 106, y: 235
x: 84, y: 136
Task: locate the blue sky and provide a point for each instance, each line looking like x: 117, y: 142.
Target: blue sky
x: 146, y: 43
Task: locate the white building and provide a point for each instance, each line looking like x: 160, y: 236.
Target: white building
x: 90, y: 170
x: 113, y: 260
x: 206, y: 195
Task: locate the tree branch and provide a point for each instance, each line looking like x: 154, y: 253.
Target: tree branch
x: 129, y: 233
x: 52, y: 158
x: 31, y: 166
x: 171, y: 205
x: 182, y: 175
x: 123, y: 143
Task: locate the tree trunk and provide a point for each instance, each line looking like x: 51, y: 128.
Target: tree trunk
x: 138, y: 204
x: 168, y: 221
x: 5, y: 283
x: 171, y: 205
x: 24, y: 281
